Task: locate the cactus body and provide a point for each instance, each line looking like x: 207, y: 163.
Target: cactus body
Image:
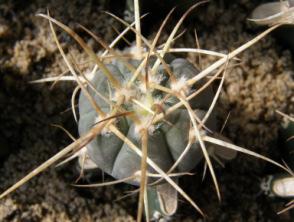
x: 168, y: 138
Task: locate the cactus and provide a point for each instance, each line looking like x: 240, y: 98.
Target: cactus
x: 148, y: 119
x: 273, y: 13
x: 167, y: 139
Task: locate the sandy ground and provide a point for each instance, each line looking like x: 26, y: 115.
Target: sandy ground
x: 262, y: 83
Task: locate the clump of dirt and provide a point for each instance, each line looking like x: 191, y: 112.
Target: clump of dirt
x: 27, y: 38
x: 253, y: 90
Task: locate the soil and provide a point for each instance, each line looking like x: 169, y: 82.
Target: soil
x: 253, y: 90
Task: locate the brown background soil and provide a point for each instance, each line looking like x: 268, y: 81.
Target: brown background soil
x: 251, y: 94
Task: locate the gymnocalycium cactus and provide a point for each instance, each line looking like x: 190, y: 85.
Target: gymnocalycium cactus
x: 167, y: 139
x: 148, y: 119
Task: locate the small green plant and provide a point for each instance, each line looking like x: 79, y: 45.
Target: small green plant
x: 147, y: 119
